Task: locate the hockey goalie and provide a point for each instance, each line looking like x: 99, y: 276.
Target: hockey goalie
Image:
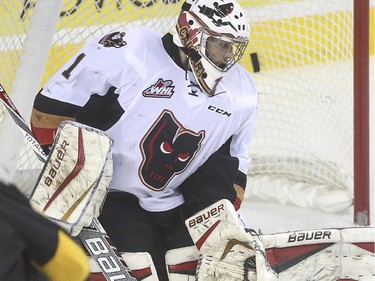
x: 73, y: 186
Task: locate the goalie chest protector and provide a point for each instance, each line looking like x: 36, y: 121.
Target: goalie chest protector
x: 168, y: 127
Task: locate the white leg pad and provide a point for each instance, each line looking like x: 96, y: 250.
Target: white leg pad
x: 182, y: 263
x: 141, y: 266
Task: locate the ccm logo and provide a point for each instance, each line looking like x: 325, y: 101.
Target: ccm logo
x: 103, y: 256
x: 218, y: 110
x: 313, y: 235
x: 201, y: 218
x: 61, y: 152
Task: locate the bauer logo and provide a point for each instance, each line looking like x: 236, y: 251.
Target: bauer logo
x: 161, y: 89
x: 55, y: 163
x: 206, y: 215
x: 309, y: 235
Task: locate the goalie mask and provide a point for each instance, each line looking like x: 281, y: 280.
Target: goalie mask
x: 214, y: 35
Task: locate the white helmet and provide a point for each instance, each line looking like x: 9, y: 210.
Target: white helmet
x: 214, y: 35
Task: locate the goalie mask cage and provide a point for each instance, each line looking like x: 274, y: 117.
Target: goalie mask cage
x: 309, y: 60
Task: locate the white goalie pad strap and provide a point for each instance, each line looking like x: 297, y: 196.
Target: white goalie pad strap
x: 182, y: 263
x: 225, y: 246
x: 74, y: 182
x: 141, y: 266
x: 263, y: 267
x: 358, y: 253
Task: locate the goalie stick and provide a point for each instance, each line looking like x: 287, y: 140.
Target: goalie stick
x: 93, y: 238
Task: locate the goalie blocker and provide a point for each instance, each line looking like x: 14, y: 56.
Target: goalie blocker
x: 74, y: 182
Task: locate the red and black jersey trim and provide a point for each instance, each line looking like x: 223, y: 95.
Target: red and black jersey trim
x: 55, y: 107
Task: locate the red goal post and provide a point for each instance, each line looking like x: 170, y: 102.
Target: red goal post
x: 308, y: 57
x: 361, y: 113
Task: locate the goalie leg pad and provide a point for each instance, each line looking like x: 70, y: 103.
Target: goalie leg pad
x: 141, y: 266
x: 182, y: 263
x: 74, y: 181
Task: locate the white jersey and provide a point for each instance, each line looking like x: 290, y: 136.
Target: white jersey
x: 165, y: 127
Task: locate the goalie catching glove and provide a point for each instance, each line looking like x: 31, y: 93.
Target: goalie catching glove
x: 74, y: 181
x: 228, y: 252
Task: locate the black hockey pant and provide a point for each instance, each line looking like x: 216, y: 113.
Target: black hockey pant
x: 132, y: 229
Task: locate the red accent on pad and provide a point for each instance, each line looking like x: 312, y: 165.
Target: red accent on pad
x: 205, y: 235
x: 185, y: 268
x: 276, y: 256
x: 368, y: 246
x: 44, y: 135
x: 97, y: 276
x: 78, y: 167
x: 141, y: 274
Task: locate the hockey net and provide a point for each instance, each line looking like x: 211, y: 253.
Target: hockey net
x: 301, y: 57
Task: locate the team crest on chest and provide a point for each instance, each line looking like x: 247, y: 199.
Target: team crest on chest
x: 167, y: 150
x: 161, y: 89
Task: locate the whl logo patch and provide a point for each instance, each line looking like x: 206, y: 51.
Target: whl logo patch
x: 161, y: 89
